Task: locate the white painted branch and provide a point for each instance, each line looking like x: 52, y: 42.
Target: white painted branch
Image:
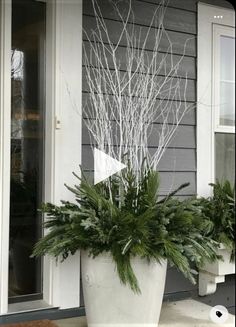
x: 126, y: 95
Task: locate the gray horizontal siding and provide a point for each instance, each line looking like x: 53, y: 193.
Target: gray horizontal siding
x: 171, y: 180
x: 143, y: 14
x: 177, y: 159
x: 190, y: 89
x: 191, y: 5
x: 182, y: 42
x: 184, y: 136
x: 176, y: 282
x: 185, y: 5
x: 188, y: 119
x: 220, y: 3
x: 186, y: 66
x: 174, y: 160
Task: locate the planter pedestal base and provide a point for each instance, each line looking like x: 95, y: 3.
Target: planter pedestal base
x: 208, y: 282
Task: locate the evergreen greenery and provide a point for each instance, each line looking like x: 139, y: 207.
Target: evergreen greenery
x: 219, y: 209
x: 128, y: 220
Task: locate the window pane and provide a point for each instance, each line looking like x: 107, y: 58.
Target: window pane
x: 227, y: 80
x: 225, y: 156
x: 227, y: 58
x: 27, y: 113
x: 227, y: 103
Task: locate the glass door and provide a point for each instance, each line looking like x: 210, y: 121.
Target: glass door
x: 27, y: 147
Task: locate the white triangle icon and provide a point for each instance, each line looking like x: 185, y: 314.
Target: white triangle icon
x: 105, y: 166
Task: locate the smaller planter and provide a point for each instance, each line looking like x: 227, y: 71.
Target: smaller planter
x: 219, y: 267
x: 109, y: 303
x: 212, y: 273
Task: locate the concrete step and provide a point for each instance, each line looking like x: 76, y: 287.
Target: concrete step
x: 185, y: 313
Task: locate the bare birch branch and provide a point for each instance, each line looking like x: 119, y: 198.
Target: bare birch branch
x: 134, y: 94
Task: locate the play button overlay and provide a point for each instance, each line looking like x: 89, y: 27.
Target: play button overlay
x: 105, y: 166
x: 219, y: 314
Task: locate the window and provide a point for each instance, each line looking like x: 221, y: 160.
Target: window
x: 216, y: 96
x: 224, y: 78
x: 27, y: 144
x: 224, y: 101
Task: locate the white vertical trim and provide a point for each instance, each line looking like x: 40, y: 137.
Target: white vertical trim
x: 207, y: 16
x: 218, y: 31
x: 63, y: 139
x: 5, y: 132
x: 49, y: 133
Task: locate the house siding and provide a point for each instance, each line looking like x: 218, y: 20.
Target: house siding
x: 178, y: 164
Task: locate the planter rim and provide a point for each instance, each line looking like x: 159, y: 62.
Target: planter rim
x: 106, y: 256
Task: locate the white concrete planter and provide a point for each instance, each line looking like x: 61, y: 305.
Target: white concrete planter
x: 219, y: 267
x: 108, y: 303
x: 211, y: 274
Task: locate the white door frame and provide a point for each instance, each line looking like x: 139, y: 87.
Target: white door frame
x: 63, y: 134
x: 61, y: 282
x: 5, y: 130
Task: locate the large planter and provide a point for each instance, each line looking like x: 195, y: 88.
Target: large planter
x: 108, y: 303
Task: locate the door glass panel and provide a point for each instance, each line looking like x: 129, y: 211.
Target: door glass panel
x: 27, y: 143
x: 225, y: 156
x: 227, y: 81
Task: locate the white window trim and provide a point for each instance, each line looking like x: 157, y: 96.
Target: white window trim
x: 219, y: 30
x: 207, y: 16
x: 64, y: 140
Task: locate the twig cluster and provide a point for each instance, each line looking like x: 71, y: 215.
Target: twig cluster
x: 127, y: 93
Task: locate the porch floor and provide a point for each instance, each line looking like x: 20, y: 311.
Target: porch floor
x: 185, y: 313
